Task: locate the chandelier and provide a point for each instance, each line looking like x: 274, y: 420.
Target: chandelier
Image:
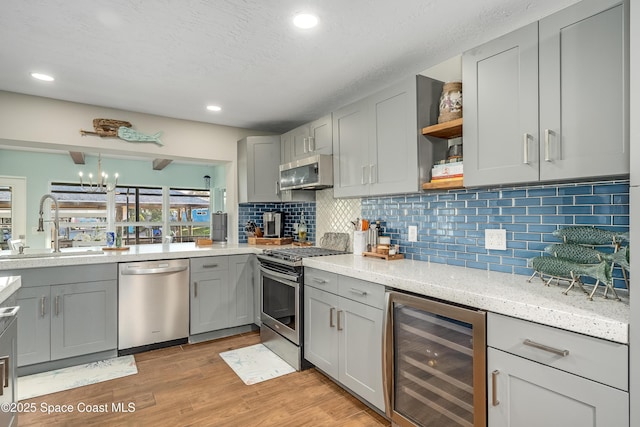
x: 102, y: 183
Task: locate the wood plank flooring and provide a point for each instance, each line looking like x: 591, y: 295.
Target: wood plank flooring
x: 191, y: 385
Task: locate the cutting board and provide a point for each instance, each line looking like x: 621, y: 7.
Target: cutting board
x: 270, y: 240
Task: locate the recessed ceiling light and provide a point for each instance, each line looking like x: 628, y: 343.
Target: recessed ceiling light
x: 43, y: 77
x: 213, y: 108
x: 305, y: 20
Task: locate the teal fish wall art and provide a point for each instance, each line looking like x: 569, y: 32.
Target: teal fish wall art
x: 590, y: 236
x: 131, y: 135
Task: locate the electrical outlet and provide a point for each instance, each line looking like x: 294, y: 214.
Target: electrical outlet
x: 495, y: 239
x: 413, y: 233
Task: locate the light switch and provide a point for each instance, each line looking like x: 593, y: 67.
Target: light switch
x: 413, y: 233
x: 495, y: 239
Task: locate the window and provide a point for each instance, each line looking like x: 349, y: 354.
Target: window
x: 139, y: 214
x: 5, y: 216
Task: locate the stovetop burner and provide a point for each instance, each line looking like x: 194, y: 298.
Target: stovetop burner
x: 296, y: 254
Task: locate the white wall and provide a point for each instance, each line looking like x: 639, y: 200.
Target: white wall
x: 30, y: 121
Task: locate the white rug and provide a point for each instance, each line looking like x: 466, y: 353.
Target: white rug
x: 75, y: 376
x: 256, y: 363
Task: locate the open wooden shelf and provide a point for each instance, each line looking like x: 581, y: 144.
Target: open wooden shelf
x: 445, y: 184
x: 446, y: 130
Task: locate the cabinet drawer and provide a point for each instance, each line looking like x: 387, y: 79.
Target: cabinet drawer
x: 359, y: 290
x: 321, y: 279
x: 593, y: 358
x: 210, y: 263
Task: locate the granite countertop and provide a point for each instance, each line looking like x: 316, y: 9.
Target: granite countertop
x: 8, y: 285
x: 134, y: 253
x: 501, y: 293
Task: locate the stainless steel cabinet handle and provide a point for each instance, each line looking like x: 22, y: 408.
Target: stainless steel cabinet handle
x: 546, y: 145
x: 277, y: 187
x: 553, y: 350
x: 57, y: 305
x: 195, y: 289
x: 364, y: 170
x: 5, y: 361
x: 318, y: 280
x: 3, y: 367
x: 526, y: 149
x: 339, y: 323
x: 304, y: 144
x: 331, y: 311
x: 312, y: 139
x: 42, y: 301
x: 371, y: 174
x: 358, y: 291
x: 210, y: 265
x: 494, y: 387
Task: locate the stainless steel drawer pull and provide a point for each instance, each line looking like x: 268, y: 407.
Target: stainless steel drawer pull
x: 358, y: 292
x: 42, y: 301
x: 494, y: 388
x: 3, y: 368
x: 553, y: 350
x: 318, y: 280
x: 526, y: 149
x: 195, y: 289
x: 364, y: 171
x: 57, y: 305
x: 331, y: 311
x: 209, y: 265
x: 339, y: 323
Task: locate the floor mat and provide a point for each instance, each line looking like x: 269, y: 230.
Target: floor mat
x: 256, y: 363
x: 75, y: 376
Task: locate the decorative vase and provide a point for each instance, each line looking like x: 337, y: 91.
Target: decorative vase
x: 450, y: 102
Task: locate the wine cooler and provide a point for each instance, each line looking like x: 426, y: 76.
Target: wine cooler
x: 434, y: 363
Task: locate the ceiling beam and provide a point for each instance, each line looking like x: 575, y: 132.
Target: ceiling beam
x: 77, y: 157
x: 159, y: 164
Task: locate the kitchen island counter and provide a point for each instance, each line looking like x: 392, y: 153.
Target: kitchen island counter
x: 496, y: 292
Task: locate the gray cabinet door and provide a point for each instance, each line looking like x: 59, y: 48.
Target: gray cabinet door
x: 321, y: 135
x: 240, y: 291
x: 320, y: 330
x: 501, y: 110
x: 300, y: 142
x: 34, y: 325
x: 258, y: 173
x: 584, y: 101
x: 83, y: 318
x: 393, y: 146
x: 209, y: 301
x: 286, y: 147
x: 360, y: 348
x: 531, y: 394
x: 351, y: 150
x: 257, y: 291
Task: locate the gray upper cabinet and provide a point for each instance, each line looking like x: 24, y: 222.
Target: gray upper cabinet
x: 258, y: 162
x: 307, y: 140
x: 376, y: 148
x: 550, y: 101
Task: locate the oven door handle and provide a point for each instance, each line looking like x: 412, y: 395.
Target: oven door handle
x: 275, y: 274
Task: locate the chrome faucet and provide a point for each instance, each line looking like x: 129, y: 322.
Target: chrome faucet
x: 56, y: 221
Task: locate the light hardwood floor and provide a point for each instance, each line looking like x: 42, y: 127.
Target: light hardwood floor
x: 191, y: 385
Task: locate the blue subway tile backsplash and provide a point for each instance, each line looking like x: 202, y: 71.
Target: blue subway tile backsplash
x: 292, y: 215
x: 451, y: 224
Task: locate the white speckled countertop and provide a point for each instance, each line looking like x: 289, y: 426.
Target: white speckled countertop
x: 502, y: 293
x: 8, y: 285
x: 135, y: 253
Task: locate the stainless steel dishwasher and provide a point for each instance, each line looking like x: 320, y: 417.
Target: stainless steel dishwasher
x: 153, y: 305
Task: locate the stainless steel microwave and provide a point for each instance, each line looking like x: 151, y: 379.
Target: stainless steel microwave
x: 311, y: 173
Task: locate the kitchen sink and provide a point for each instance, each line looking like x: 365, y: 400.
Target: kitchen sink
x: 48, y: 253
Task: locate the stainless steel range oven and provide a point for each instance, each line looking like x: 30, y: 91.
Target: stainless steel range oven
x: 281, y: 305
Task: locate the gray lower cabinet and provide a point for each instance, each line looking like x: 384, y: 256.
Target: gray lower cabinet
x: 550, y: 101
x: 343, y: 335
x: 543, y: 376
x: 66, y: 312
x: 222, y: 293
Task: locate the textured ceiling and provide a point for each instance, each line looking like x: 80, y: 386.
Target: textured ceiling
x: 174, y: 57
